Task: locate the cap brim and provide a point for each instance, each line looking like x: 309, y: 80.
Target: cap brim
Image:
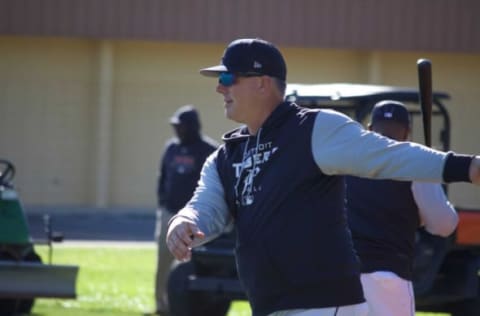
x: 213, y: 71
x: 174, y: 121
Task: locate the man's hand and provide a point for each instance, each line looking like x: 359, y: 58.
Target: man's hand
x: 180, y: 236
x: 475, y: 170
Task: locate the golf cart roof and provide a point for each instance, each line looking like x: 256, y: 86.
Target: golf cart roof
x: 343, y: 91
x: 357, y: 100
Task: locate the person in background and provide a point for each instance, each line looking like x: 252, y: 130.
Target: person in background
x: 279, y: 179
x: 384, y: 216
x: 179, y: 171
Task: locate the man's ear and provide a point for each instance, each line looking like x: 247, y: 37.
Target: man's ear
x: 263, y: 83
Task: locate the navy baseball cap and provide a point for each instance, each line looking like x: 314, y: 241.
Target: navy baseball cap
x: 250, y: 55
x: 186, y: 114
x: 389, y: 110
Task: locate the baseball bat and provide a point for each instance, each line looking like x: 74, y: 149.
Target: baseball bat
x: 424, y: 67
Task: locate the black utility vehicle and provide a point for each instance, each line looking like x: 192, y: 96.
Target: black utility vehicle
x: 446, y: 270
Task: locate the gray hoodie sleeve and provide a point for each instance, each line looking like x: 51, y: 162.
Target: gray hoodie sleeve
x: 340, y: 145
x: 208, y: 208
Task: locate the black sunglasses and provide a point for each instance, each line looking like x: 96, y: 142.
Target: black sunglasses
x: 227, y: 79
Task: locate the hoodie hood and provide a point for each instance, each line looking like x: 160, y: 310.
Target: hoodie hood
x: 238, y: 134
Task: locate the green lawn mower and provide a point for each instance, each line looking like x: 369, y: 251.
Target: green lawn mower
x: 23, y: 275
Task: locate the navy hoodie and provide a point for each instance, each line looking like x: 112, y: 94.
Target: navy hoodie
x: 284, y: 208
x: 383, y: 217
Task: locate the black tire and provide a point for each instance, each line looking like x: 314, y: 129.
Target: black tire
x: 464, y: 308
x: 467, y: 307
x: 16, y: 306
x: 183, y: 302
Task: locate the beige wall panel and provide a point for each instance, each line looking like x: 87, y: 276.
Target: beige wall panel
x: 44, y: 124
x: 324, y: 66
x: 459, y: 75
x: 152, y: 81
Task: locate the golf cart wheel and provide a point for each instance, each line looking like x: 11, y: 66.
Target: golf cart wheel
x: 468, y: 307
x: 17, y: 306
x: 184, y: 302
x: 7, y: 172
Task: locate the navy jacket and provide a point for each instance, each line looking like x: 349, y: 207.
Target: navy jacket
x: 179, y: 171
x: 383, y: 218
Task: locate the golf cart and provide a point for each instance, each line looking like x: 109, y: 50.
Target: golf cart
x: 446, y: 269
x: 23, y: 276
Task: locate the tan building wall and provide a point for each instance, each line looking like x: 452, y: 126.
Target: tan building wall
x: 85, y: 121
x: 45, y: 120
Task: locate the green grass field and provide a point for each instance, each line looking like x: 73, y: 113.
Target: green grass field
x: 113, y: 281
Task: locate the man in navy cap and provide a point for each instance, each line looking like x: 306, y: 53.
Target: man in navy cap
x: 279, y: 179
x: 384, y: 216
x: 179, y: 171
